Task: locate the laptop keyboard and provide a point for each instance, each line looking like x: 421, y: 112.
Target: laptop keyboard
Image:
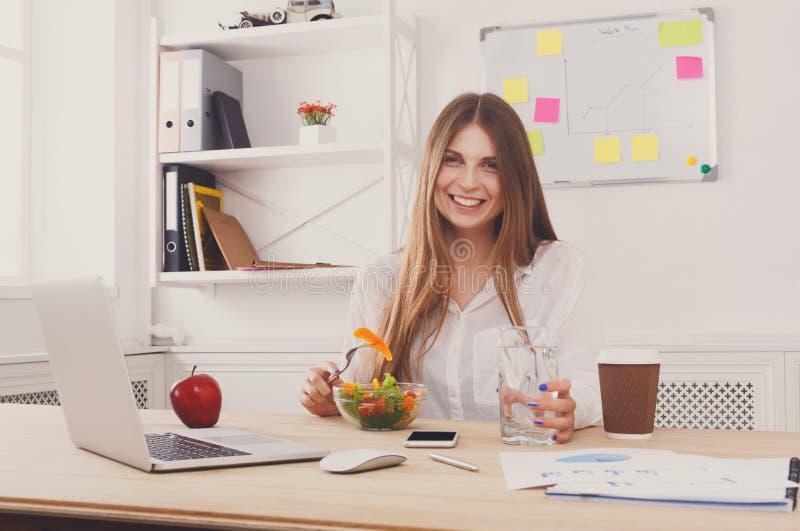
x: 174, y: 447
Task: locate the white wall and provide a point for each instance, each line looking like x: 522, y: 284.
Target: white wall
x: 86, y: 206
x: 73, y: 150
x: 132, y: 306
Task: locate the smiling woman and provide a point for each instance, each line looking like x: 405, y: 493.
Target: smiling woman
x: 481, y: 254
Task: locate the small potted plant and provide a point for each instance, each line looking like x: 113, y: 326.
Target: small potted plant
x: 314, y: 118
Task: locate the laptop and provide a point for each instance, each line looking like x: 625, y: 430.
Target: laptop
x: 93, y: 385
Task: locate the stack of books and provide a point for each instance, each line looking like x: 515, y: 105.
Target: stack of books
x: 187, y: 242
x: 198, y: 236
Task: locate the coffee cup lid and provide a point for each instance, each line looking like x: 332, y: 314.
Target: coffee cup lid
x: 629, y: 356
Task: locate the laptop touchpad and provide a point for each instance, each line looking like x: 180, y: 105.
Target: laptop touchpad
x: 245, y: 439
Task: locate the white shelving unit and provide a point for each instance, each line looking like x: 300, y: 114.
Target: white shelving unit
x: 311, y: 277
x: 396, y: 153
x: 277, y: 157
x: 288, y: 39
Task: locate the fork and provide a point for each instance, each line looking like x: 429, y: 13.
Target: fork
x: 347, y: 358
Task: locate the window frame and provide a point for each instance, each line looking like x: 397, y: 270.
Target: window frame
x: 16, y: 286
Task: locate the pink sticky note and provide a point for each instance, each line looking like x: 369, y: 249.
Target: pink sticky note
x: 547, y: 110
x: 689, y: 67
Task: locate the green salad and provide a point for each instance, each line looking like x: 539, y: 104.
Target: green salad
x: 379, y: 407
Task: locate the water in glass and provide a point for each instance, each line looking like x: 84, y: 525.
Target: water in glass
x: 527, y: 357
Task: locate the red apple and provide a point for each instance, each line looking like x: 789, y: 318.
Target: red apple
x: 197, y: 400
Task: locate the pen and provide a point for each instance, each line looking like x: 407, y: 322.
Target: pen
x: 454, y: 462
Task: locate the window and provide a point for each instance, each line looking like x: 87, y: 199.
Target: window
x: 14, y: 140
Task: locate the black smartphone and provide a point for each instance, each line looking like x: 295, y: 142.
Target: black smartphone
x: 431, y: 439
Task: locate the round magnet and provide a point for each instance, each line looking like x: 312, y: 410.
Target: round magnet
x: 691, y: 161
x: 705, y: 168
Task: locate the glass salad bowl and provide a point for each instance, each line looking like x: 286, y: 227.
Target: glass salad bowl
x: 389, y: 405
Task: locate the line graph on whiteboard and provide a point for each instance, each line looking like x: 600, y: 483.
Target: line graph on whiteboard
x: 632, y: 107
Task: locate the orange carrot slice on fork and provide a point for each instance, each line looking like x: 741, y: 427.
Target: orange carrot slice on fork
x: 369, y: 337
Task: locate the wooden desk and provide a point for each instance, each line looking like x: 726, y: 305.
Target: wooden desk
x: 42, y: 474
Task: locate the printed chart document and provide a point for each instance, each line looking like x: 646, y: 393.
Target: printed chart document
x: 628, y: 475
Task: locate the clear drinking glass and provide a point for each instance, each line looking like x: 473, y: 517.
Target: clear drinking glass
x: 527, y: 357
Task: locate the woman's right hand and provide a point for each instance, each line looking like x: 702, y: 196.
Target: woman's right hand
x: 316, y: 394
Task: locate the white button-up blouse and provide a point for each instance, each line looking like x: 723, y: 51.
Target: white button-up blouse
x: 460, y: 369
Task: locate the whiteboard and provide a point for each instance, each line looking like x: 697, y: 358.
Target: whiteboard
x: 609, y: 101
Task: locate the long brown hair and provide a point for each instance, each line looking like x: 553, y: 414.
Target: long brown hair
x: 419, y: 304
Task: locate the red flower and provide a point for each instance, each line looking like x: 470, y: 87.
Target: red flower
x: 315, y: 113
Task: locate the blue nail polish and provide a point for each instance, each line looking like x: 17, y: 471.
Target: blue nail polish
x: 496, y: 389
x: 533, y: 404
x: 538, y: 422
x: 543, y: 387
x: 337, y: 371
x: 555, y: 436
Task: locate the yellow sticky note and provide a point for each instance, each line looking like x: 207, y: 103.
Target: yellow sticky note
x: 606, y: 149
x: 548, y: 42
x: 680, y: 33
x: 515, y: 90
x: 537, y: 144
x: 644, y: 147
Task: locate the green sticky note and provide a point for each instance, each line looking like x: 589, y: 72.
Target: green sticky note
x: 515, y: 90
x: 680, y: 33
x: 644, y: 147
x: 548, y: 42
x: 606, y: 149
x: 537, y: 144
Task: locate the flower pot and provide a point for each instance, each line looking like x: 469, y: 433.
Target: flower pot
x: 317, y: 134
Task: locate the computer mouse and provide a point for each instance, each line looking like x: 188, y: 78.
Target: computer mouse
x: 360, y: 460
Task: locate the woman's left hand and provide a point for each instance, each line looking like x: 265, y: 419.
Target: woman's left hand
x: 563, y: 405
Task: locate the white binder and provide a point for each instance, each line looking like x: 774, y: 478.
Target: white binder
x: 202, y: 73
x: 169, y: 110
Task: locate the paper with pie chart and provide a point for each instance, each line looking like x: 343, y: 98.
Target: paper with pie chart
x: 649, y: 474
x: 539, y: 469
x: 611, y: 101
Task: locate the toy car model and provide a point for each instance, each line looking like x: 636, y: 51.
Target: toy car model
x: 309, y: 10
x: 249, y: 20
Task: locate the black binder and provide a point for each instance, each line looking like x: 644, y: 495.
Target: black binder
x: 794, y: 475
x: 175, y: 256
x: 231, y: 121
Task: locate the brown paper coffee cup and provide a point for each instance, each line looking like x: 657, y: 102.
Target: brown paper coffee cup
x: 628, y: 391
